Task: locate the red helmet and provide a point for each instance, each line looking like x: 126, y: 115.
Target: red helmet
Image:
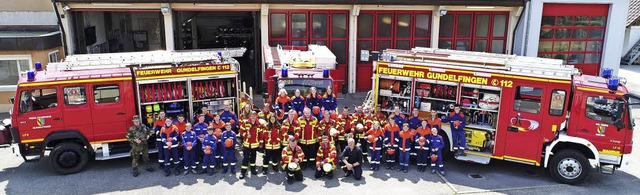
x: 189, y: 144
x: 391, y: 151
x: 207, y: 149
x: 371, y: 138
x: 434, y: 158
x: 228, y: 143
x: 316, y: 110
x: 456, y: 124
x: 422, y: 140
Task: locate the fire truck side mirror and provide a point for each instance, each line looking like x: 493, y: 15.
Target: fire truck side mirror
x: 11, y: 100
x: 364, y: 55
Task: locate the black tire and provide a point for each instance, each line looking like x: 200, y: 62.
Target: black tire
x: 68, y: 158
x: 569, y: 167
x: 446, y: 150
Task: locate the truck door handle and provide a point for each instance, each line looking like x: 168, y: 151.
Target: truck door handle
x: 57, y: 119
x: 512, y: 129
x: 120, y: 113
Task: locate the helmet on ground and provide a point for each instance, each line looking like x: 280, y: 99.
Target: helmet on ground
x: 434, y: 158
x: 207, y: 149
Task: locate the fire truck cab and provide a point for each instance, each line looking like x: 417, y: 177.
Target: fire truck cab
x: 522, y: 109
x: 82, y: 108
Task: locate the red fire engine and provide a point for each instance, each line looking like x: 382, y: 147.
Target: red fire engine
x: 82, y: 108
x: 298, y: 67
x: 521, y: 109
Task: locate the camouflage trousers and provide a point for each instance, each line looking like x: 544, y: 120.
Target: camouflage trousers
x: 136, y: 152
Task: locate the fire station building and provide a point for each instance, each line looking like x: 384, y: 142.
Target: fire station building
x: 586, y: 33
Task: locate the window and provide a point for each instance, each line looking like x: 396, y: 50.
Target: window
x: 74, y: 96
x: 106, y: 94
x: 53, y: 56
x: 11, y: 68
x: 40, y: 99
x: 604, y: 109
x: 528, y: 99
x: 556, y: 108
x: 474, y: 31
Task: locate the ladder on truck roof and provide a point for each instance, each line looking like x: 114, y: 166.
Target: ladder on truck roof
x: 142, y: 59
x: 511, y: 63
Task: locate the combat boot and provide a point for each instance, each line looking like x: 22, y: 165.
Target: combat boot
x: 135, y: 172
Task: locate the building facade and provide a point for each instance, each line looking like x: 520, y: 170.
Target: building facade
x: 578, y: 32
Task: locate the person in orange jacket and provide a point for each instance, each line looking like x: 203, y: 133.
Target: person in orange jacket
x: 169, y: 136
x: 422, y: 145
x: 250, y: 131
x: 283, y: 104
x: 182, y: 126
x: 271, y: 139
x: 219, y: 126
x: 375, y: 146
x: 391, y: 139
x: 404, y: 147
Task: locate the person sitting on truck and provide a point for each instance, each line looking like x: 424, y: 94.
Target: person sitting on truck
x: 218, y: 126
x: 229, y: 151
x: 169, y: 136
x: 200, y: 129
x: 329, y: 100
x: 422, y: 145
x: 283, y: 104
x: 157, y: 126
x: 313, y: 99
x: 406, y: 138
x: 189, y: 140
x: 457, y: 123
x: 399, y: 117
x: 298, y: 102
x: 391, y: 134
x: 229, y: 117
x: 436, y: 143
x: 137, y: 137
x: 375, y: 145
x: 208, y: 117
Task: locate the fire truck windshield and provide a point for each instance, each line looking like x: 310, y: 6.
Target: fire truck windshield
x: 304, y: 84
x: 606, y: 110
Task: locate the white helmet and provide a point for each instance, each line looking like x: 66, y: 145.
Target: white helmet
x: 326, y: 167
x: 292, y: 166
x: 333, y: 132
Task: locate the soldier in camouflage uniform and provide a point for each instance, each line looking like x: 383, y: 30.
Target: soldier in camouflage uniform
x: 138, y: 135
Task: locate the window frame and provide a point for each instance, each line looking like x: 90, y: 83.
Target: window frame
x: 15, y: 57
x: 586, y: 111
x: 571, y: 40
x: 65, y: 97
x: 57, y: 55
x: 564, y: 102
x: 518, y: 96
x: 55, y: 89
x: 95, y: 98
x: 472, y: 38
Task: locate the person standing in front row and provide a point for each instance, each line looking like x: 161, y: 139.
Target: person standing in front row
x: 375, y: 145
x: 189, y: 140
x: 292, y: 154
x: 229, y: 152
x: 209, y: 147
x: 436, y: 150
x: 326, y: 155
x: 352, y: 160
x: 169, y: 136
x: 421, y: 138
x: 391, y: 139
x: 137, y: 136
x: 406, y: 138
x: 271, y: 139
x: 250, y: 131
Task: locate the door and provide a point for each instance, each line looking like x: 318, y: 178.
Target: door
x: 526, y: 124
x: 109, y: 113
x: 597, y: 121
x: 76, y: 107
x: 39, y: 113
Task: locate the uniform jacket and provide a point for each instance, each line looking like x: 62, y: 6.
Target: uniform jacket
x: 379, y: 136
x: 200, y: 129
x: 452, y: 117
x: 436, y: 142
x: 229, y: 117
x: 169, y: 134
x: 289, y: 127
x: 140, y: 132
x: 326, y: 154
x: 329, y: 102
x: 289, y: 155
x: 210, y: 141
x: 271, y: 138
x: 254, y: 128
x: 297, y: 103
x: 414, y: 122
x: 309, y: 132
x: 391, y: 135
x: 230, y: 134
x: 406, y: 138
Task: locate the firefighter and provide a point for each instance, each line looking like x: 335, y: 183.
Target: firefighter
x: 359, y: 118
x: 271, y: 139
x: 229, y: 117
x: 345, y: 121
x: 457, y: 123
x: 433, y: 121
x: 422, y: 145
x: 157, y: 126
x: 292, y: 154
x: 297, y: 102
x: 391, y: 139
x: 326, y: 155
x: 324, y: 127
x: 229, y: 152
x: 209, y: 147
x: 137, y: 136
x: 313, y: 99
x: 250, y: 131
x: 265, y: 112
x: 200, y: 128
x: 208, y: 117
x: 375, y: 145
x: 169, y: 136
x: 414, y: 120
x: 283, y: 104
x: 352, y: 160
x: 380, y: 117
x: 219, y: 126
x: 182, y: 125
x: 329, y: 100
x: 399, y: 117
x: 308, y: 137
x: 189, y: 140
x: 290, y: 127
x: 406, y: 138
x: 436, y: 145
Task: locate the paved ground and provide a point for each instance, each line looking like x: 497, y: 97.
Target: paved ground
x: 499, y: 177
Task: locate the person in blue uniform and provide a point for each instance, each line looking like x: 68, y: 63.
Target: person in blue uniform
x: 436, y: 143
x: 229, y: 152
x: 209, y: 147
x: 457, y: 123
x: 189, y: 140
x: 329, y: 100
x: 298, y: 102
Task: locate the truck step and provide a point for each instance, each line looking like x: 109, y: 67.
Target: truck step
x: 32, y: 158
x: 607, y: 169
x: 475, y: 157
x: 99, y: 155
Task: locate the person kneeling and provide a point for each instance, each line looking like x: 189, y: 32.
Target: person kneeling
x: 325, y: 158
x: 292, y: 156
x: 352, y: 160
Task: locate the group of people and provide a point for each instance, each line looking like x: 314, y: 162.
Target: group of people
x: 299, y: 139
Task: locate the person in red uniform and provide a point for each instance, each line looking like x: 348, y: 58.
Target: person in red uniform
x: 292, y: 154
x: 182, y: 126
x: 406, y: 138
x: 250, y: 131
x: 422, y: 145
x: 157, y: 126
x: 345, y: 121
x: 391, y: 134
x: 326, y: 155
x: 290, y: 127
x: 359, y: 118
x: 325, y: 125
x: 375, y: 147
x: 218, y: 126
x: 308, y: 137
x: 271, y: 140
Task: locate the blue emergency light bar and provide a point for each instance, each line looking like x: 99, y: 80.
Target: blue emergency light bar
x: 31, y: 76
x: 285, y: 73
x: 325, y: 73
x: 38, y: 66
x: 613, y: 83
x: 607, y: 73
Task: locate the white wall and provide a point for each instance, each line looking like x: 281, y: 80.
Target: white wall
x: 27, y: 18
x: 631, y: 36
x: 614, y: 34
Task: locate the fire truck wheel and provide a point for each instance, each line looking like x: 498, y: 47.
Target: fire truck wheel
x: 446, y: 150
x: 569, y: 167
x: 68, y: 158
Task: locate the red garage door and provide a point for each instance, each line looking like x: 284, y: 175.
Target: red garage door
x: 574, y: 33
x: 301, y: 28
x: 380, y: 30
x: 474, y: 31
